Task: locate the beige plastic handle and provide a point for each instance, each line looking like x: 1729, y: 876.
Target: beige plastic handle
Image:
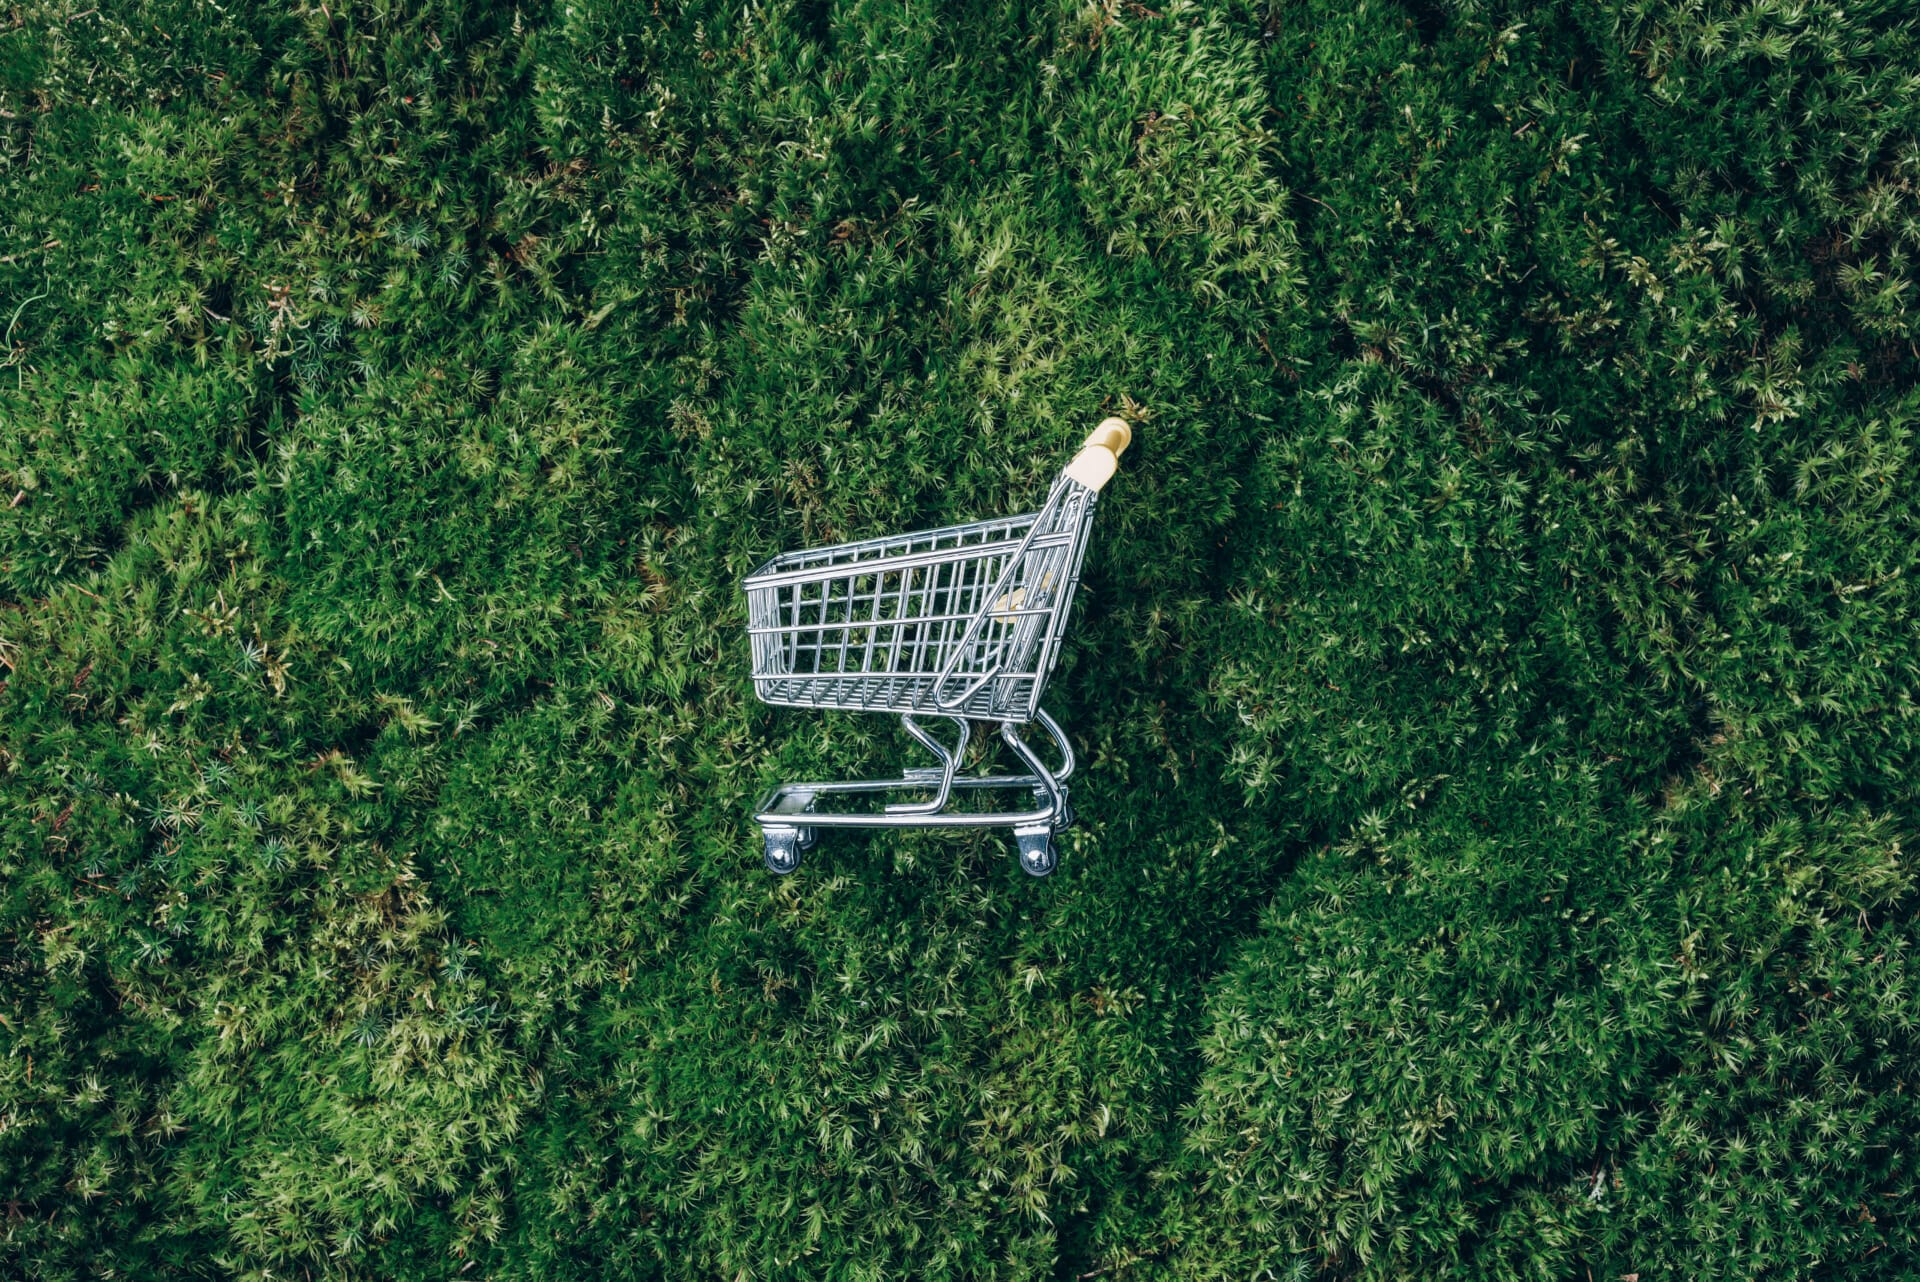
x: 1099, y: 457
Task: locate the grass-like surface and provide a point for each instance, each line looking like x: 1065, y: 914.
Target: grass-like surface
x: 1495, y: 670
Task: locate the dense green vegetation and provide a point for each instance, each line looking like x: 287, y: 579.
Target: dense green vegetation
x: 1495, y: 670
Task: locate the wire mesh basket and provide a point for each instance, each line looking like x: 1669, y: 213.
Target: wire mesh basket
x: 962, y: 622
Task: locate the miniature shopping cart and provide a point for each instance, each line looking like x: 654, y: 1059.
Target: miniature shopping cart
x: 962, y: 623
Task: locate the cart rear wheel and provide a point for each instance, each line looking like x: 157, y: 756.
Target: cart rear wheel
x: 1038, y: 855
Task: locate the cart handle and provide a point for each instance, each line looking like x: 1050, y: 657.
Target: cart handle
x: 1100, y: 455
x: 1092, y: 467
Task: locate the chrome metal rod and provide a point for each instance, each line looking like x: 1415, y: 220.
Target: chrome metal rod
x: 1052, y: 727
x: 1001, y: 585
x: 770, y: 811
x: 1056, y: 800
x: 949, y: 764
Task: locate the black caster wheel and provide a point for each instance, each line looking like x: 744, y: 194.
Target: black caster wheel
x: 783, y: 848
x: 1038, y: 855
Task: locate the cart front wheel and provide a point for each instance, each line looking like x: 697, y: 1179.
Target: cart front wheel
x: 1038, y: 855
x: 783, y: 848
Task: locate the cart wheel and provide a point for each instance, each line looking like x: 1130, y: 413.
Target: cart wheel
x: 783, y: 847
x: 1038, y: 856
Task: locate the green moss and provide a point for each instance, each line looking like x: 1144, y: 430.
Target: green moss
x: 1495, y: 671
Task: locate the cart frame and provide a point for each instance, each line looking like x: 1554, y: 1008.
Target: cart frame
x: 962, y: 623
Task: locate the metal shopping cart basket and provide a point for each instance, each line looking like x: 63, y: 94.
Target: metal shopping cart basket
x: 962, y: 623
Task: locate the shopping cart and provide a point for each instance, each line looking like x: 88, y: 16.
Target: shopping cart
x: 962, y: 623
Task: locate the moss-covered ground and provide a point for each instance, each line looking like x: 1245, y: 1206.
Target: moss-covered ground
x: 1494, y: 673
